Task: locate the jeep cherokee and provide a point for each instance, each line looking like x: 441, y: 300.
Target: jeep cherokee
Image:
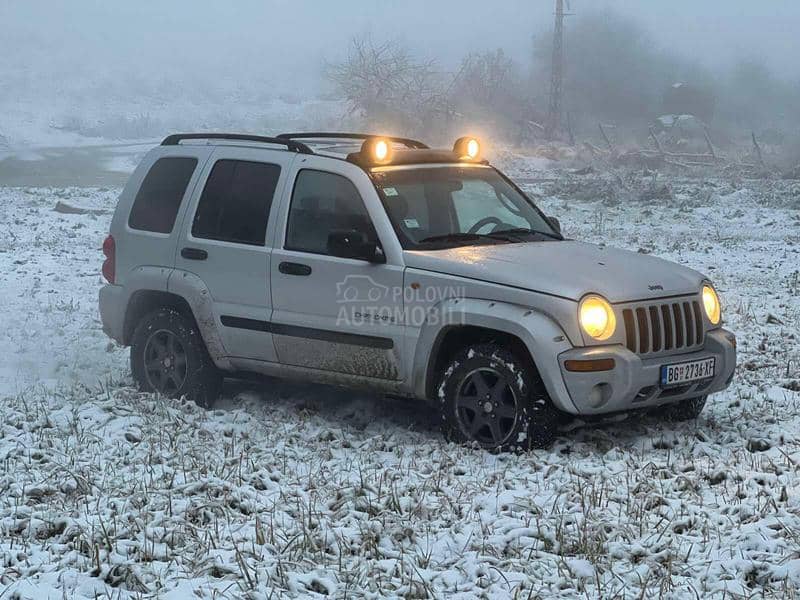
x: 377, y: 262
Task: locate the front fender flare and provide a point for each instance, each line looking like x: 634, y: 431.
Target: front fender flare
x: 540, y: 334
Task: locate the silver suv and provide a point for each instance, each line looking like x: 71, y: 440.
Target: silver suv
x: 377, y: 262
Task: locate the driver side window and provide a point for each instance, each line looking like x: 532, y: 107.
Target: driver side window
x: 477, y: 200
x: 321, y: 204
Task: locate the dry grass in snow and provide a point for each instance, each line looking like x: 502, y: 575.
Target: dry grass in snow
x: 290, y: 490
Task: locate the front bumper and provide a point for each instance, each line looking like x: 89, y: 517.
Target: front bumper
x: 634, y: 382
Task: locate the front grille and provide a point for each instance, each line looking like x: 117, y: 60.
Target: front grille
x: 663, y: 327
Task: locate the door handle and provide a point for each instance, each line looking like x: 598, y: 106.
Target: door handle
x: 292, y: 268
x: 194, y: 254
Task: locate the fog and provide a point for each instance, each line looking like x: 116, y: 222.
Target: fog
x: 209, y: 64
x: 234, y: 40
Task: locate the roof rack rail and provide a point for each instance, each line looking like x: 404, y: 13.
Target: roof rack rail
x: 175, y: 139
x: 321, y: 135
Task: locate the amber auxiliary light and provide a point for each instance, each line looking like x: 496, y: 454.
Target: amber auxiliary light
x: 378, y: 150
x: 467, y: 147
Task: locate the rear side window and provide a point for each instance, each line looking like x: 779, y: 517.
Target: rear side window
x: 159, y: 197
x: 322, y: 203
x: 236, y: 202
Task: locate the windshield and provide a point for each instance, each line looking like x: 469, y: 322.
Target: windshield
x: 443, y: 207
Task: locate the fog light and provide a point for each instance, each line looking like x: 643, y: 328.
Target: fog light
x: 599, y: 395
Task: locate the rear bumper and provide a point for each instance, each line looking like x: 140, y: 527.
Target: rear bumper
x: 635, y: 382
x: 112, y: 311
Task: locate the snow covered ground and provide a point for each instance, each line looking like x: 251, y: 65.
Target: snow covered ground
x: 300, y: 490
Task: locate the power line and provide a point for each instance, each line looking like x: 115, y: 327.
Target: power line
x: 556, y: 74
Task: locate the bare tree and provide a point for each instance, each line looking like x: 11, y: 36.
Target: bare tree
x: 485, y: 79
x: 387, y: 87
x: 488, y: 90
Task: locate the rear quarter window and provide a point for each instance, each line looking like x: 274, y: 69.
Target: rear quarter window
x: 159, y: 197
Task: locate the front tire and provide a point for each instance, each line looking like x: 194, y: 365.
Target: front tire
x: 168, y: 356
x: 683, y: 410
x: 490, y: 396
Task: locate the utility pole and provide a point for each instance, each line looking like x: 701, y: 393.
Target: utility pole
x: 556, y: 74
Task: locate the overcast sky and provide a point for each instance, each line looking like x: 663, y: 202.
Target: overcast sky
x: 290, y: 38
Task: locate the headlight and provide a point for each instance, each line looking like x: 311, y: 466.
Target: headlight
x: 712, y: 305
x: 597, y: 317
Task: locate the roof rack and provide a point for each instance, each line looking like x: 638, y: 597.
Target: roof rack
x: 407, y: 142
x: 175, y: 139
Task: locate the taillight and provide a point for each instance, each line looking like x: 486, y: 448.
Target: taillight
x: 110, y: 263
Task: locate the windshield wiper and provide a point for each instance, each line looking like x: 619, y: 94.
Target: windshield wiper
x: 458, y: 237
x: 521, y: 231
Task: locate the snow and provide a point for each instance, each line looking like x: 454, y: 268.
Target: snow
x: 65, y: 120
x: 296, y: 490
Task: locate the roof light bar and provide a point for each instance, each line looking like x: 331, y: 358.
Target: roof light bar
x: 313, y: 135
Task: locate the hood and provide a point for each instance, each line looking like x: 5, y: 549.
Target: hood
x: 568, y: 269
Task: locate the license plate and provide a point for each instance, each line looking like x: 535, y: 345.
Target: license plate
x: 687, y: 371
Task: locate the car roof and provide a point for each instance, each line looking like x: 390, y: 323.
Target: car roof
x: 338, y: 145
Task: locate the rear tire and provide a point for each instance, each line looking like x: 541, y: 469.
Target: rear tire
x: 491, y: 397
x: 168, y: 356
x: 683, y: 410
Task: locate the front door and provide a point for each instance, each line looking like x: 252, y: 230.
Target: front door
x: 331, y: 313
x: 225, y: 243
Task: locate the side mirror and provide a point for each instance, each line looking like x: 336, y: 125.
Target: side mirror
x: 554, y: 223
x: 354, y: 244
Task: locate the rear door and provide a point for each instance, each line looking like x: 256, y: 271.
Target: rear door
x: 226, y: 241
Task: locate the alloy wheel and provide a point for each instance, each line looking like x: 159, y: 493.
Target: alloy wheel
x: 486, y: 407
x: 165, y: 362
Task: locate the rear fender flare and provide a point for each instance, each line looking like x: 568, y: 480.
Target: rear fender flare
x: 192, y: 289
